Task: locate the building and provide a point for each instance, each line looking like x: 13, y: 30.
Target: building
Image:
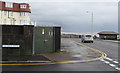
x: 21, y: 42
x: 16, y: 40
x: 47, y: 39
x: 107, y: 35
x: 14, y: 13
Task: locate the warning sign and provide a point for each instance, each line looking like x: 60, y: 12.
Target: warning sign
x: 43, y: 31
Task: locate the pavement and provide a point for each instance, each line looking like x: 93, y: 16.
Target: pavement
x: 24, y: 59
x: 69, y: 52
x: 72, y: 52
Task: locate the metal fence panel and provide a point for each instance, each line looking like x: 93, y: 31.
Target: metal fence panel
x: 17, y: 35
x: 57, y: 38
x: 0, y: 47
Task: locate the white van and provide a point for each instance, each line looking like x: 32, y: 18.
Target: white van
x: 87, y: 38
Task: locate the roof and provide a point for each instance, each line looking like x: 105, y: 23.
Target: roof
x: 108, y: 32
x: 16, y: 2
x: 48, y: 25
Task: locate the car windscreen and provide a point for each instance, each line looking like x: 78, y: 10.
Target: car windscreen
x: 88, y: 35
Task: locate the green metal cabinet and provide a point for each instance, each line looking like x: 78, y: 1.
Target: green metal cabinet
x: 44, y: 40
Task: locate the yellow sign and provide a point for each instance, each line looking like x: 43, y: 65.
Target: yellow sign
x: 43, y: 31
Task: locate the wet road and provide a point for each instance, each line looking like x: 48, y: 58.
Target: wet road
x: 110, y: 48
x: 107, y: 64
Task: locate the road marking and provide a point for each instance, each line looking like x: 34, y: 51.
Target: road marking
x: 117, y: 68
x: 102, y: 60
x: 109, y: 59
x: 107, y: 62
x: 103, y: 55
x: 116, y: 62
x: 112, y: 65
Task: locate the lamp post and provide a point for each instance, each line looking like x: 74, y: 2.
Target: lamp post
x: 92, y: 21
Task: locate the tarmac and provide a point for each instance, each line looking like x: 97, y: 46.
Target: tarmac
x: 70, y: 52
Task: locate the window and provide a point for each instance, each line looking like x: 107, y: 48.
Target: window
x: 9, y: 4
x: 11, y: 21
x: 11, y: 13
x: 5, y: 13
x: 4, y: 21
x: 23, y: 6
x: 23, y: 22
x: 88, y: 36
x: 23, y: 14
x: 28, y: 14
x: 26, y: 22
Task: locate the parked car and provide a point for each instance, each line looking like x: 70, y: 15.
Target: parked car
x: 87, y: 38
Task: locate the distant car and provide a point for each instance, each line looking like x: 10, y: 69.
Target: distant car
x: 87, y: 38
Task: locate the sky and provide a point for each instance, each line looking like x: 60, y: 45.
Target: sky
x: 61, y: 0
x: 72, y: 15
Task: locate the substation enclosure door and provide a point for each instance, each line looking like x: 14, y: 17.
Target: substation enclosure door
x: 43, y: 40
x: 49, y: 39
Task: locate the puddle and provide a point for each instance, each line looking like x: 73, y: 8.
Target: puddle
x: 76, y: 56
x: 62, y: 50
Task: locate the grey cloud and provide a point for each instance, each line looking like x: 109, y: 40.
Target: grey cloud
x: 73, y: 17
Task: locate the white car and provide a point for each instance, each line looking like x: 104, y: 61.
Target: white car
x: 87, y: 38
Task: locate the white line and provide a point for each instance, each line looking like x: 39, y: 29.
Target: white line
x: 117, y: 68
x: 109, y: 59
x: 107, y: 62
x: 115, y: 62
x: 102, y: 60
x: 112, y: 65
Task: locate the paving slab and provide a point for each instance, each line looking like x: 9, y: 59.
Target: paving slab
x: 71, y: 51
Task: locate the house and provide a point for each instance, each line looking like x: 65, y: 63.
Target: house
x: 108, y: 35
x: 14, y: 13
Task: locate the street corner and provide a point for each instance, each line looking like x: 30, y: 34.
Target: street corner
x: 53, y: 58
x: 71, y: 52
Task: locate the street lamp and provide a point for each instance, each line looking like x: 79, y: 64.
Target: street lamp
x: 91, y: 22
